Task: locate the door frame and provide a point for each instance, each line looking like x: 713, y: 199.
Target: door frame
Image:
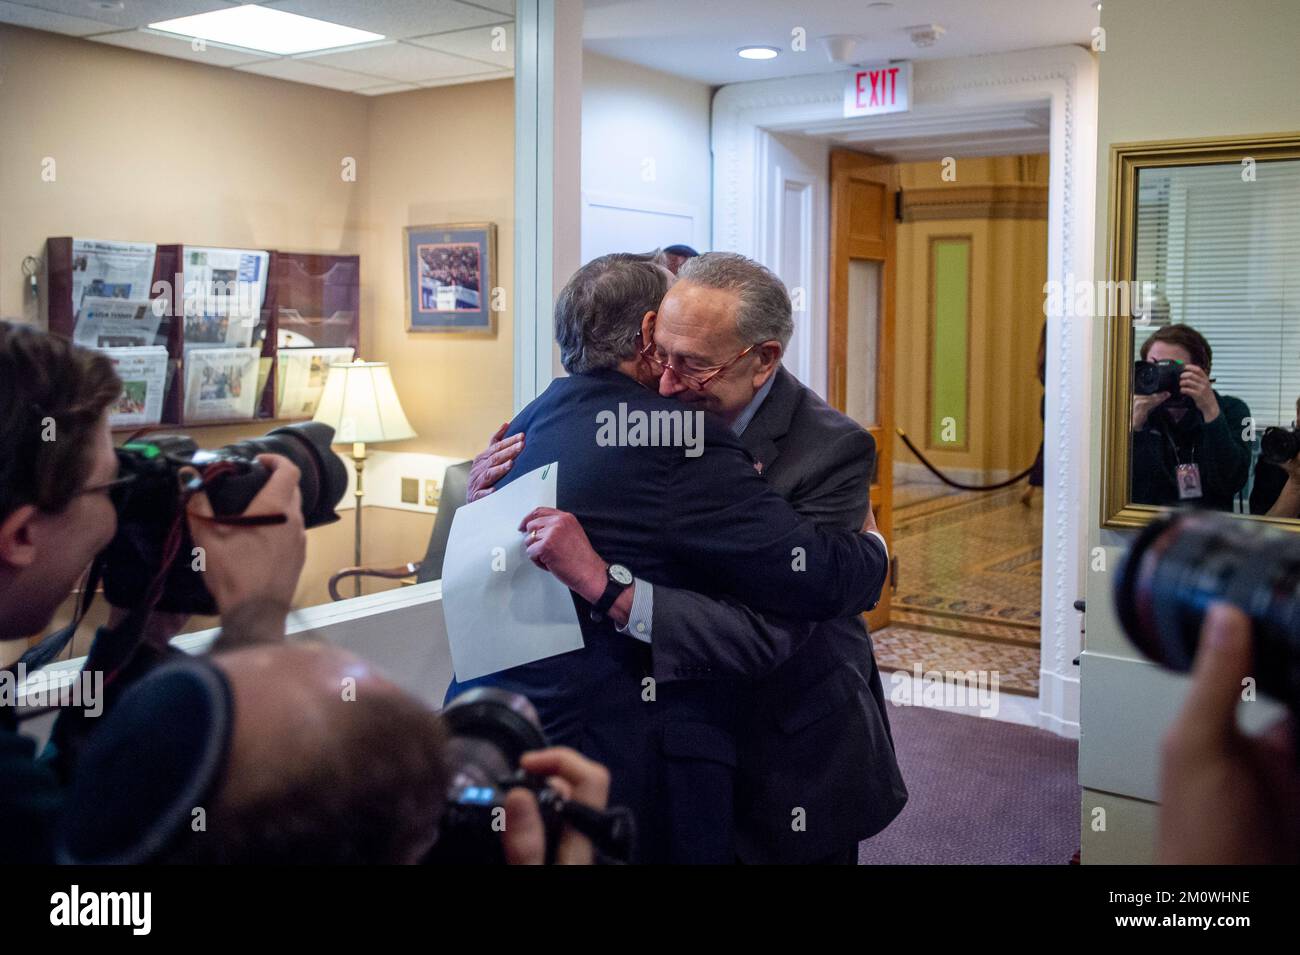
x: 744, y: 117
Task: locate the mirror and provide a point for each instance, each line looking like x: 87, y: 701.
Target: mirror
x: 1203, y: 319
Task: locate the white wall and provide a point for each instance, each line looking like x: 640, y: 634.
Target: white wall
x: 1155, y: 85
x: 645, y: 159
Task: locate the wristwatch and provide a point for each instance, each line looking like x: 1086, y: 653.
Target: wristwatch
x: 617, y: 579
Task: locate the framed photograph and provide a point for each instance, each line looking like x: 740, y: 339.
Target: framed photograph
x: 449, y: 279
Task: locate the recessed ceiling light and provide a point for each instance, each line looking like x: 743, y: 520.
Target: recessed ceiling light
x: 758, y: 52
x: 270, y: 31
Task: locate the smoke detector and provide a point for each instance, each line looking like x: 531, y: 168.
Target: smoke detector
x: 841, y: 47
x: 924, y: 34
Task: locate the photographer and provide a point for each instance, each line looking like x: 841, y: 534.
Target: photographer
x: 57, y: 467
x: 356, y: 771
x: 1188, y: 446
x: 1276, y: 491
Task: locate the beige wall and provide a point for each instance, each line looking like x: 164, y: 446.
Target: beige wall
x: 1008, y: 269
x: 150, y: 148
x: 1161, y: 79
x: 440, y: 155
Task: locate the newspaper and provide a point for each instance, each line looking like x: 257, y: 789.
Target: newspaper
x: 117, y: 322
x: 110, y: 270
x: 300, y: 380
x: 223, y: 294
x: 144, y: 379
x: 220, y: 383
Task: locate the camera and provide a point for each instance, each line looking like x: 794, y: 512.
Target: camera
x: 152, y: 536
x: 1152, y: 377
x: 1182, y: 563
x: 1279, y: 445
x: 488, y: 730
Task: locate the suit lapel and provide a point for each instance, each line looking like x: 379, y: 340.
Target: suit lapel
x: 772, y: 420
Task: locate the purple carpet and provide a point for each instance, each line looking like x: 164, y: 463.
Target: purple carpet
x: 980, y: 792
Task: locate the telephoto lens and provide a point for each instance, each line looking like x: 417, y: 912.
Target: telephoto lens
x: 1279, y: 445
x: 1182, y: 563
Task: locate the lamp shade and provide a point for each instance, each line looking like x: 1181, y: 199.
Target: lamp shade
x: 360, y: 404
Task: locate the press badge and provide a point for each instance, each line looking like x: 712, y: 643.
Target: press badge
x: 1189, y: 481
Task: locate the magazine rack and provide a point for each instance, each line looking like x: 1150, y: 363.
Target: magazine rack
x: 313, y: 299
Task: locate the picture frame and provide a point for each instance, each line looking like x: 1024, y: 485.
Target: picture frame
x: 450, y: 272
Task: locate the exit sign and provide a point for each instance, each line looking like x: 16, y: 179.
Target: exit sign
x: 878, y: 89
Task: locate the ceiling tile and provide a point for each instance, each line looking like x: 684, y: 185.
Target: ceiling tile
x: 475, y: 44
x: 501, y: 6
x: 300, y: 71
x: 476, y: 78
x: 167, y: 44
x: 388, y: 88
x: 130, y: 13
x: 27, y: 16
x: 394, y: 19
x: 400, y: 62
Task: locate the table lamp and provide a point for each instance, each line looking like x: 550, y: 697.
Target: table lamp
x: 360, y: 403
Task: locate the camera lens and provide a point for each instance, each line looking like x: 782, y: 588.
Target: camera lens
x: 1146, y: 378
x: 1278, y: 445
x: 1181, y: 564
x: 324, y: 480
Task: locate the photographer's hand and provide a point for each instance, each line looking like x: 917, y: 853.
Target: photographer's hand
x: 252, y: 571
x: 576, y: 779
x: 1196, y: 383
x: 1226, y: 798
x: 1143, y: 405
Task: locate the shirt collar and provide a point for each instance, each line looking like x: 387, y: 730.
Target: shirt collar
x: 746, y: 416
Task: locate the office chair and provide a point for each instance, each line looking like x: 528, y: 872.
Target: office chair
x: 454, y: 486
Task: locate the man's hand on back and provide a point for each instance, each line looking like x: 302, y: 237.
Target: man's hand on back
x: 492, y: 464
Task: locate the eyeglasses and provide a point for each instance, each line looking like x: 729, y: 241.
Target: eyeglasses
x: 108, y: 486
x: 695, y: 382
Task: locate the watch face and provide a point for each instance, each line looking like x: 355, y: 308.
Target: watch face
x: 620, y: 574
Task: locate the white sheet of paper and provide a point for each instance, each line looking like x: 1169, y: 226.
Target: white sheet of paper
x: 502, y: 610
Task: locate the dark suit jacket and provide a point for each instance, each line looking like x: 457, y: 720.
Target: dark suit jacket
x: 816, y: 730
x: 708, y: 521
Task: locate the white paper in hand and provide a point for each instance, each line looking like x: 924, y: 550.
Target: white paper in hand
x: 502, y: 610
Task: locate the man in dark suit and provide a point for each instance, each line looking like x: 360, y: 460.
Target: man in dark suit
x: 817, y: 771
x: 668, y: 491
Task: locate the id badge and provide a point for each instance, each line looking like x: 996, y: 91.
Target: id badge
x: 1189, y: 482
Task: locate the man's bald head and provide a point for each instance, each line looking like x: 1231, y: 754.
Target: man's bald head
x: 329, y: 762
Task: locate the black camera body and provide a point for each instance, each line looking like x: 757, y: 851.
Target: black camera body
x: 489, y: 729
x: 1153, y: 377
x: 149, y: 505
x: 1279, y: 445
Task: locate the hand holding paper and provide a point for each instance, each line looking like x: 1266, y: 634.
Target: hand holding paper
x: 501, y: 610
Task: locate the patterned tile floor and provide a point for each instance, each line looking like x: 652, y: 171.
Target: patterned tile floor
x: 969, y: 578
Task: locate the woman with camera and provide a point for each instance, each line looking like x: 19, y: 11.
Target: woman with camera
x: 1187, y: 439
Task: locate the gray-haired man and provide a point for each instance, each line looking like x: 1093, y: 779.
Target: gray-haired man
x: 681, y: 514
x: 817, y: 771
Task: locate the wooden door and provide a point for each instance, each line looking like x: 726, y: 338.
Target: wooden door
x: 861, y: 327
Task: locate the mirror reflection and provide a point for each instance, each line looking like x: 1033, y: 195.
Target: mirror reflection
x: 1215, y: 387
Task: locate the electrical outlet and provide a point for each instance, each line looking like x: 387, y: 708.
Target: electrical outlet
x: 410, y: 490
x: 430, y: 493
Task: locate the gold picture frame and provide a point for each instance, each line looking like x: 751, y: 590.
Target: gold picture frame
x: 1126, y: 161
x: 426, y: 310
